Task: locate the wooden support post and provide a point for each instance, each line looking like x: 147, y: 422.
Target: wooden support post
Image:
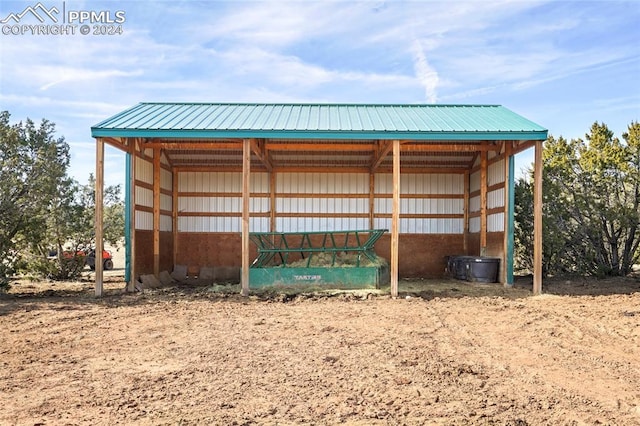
x: 156, y: 211
x: 467, y: 191
x: 99, y: 202
x: 131, y: 285
x: 537, y: 220
x: 272, y: 201
x: 174, y: 213
x: 507, y: 246
x: 483, y: 202
x: 395, y: 219
x: 246, y: 175
x: 372, y: 200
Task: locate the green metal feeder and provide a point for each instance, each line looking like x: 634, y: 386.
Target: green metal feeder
x: 333, y: 259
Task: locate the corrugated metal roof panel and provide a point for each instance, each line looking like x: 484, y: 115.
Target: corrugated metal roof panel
x: 337, y: 121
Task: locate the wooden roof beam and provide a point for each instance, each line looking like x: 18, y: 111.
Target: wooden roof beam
x: 384, y: 149
x: 449, y: 147
x: 271, y: 146
x: 194, y: 145
x: 258, y: 148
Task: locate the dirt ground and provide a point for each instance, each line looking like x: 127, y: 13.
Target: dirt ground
x: 444, y: 353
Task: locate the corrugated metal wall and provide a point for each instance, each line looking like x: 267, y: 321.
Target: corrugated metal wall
x: 212, y: 202
x: 495, y: 196
x: 416, y: 198
x: 143, y: 194
x: 219, y: 207
x: 325, y: 202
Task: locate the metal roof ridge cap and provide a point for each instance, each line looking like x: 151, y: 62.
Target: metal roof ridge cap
x: 323, y: 104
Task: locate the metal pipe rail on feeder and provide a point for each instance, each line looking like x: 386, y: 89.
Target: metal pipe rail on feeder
x: 272, y: 245
x: 319, y: 259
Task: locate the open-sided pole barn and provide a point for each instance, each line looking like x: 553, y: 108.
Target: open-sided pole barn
x: 202, y: 176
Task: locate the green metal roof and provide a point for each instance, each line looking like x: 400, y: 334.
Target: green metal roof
x: 319, y: 121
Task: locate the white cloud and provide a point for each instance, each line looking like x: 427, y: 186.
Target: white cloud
x: 61, y: 75
x: 426, y: 75
x: 337, y: 51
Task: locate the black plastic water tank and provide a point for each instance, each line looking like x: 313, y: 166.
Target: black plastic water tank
x: 482, y: 269
x: 459, y: 266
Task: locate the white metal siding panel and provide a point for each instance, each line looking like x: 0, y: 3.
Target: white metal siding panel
x: 144, y: 170
x: 321, y: 224
x: 166, y: 179
x: 423, y: 184
x: 221, y: 182
x: 384, y: 183
x: 496, y: 173
x: 474, y: 204
x: 166, y: 223
x: 211, y: 204
x: 495, y: 198
x: 148, y: 152
x: 144, y: 197
x: 144, y: 221
x: 220, y: 224
x: 163, y: 160
x: 383, y: 205
x: 166, y: 202
x: 217, y: 182
x: 495, y: 222
x: 474, y: 225
x: 319, y: 184
x: 474, y: 182
x: 259, y: 182
x: 322, y: 183
x: 431, y: 226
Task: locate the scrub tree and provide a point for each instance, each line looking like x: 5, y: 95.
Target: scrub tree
x: 591, y: 191
x: 33, y: 164
x: 46, y: 217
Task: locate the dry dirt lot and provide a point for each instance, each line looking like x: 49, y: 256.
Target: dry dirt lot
x: 449, y: 354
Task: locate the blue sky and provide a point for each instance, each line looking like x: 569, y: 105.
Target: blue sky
x: 561, y: 64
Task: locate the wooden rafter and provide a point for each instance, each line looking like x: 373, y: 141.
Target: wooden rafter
x: 453, y: 147
x: 277, y: 146
x: 258, y: 148
x: 184, y: 146
x: 378, y: 157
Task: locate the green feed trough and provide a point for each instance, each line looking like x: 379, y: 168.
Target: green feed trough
x: 331, y: 259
